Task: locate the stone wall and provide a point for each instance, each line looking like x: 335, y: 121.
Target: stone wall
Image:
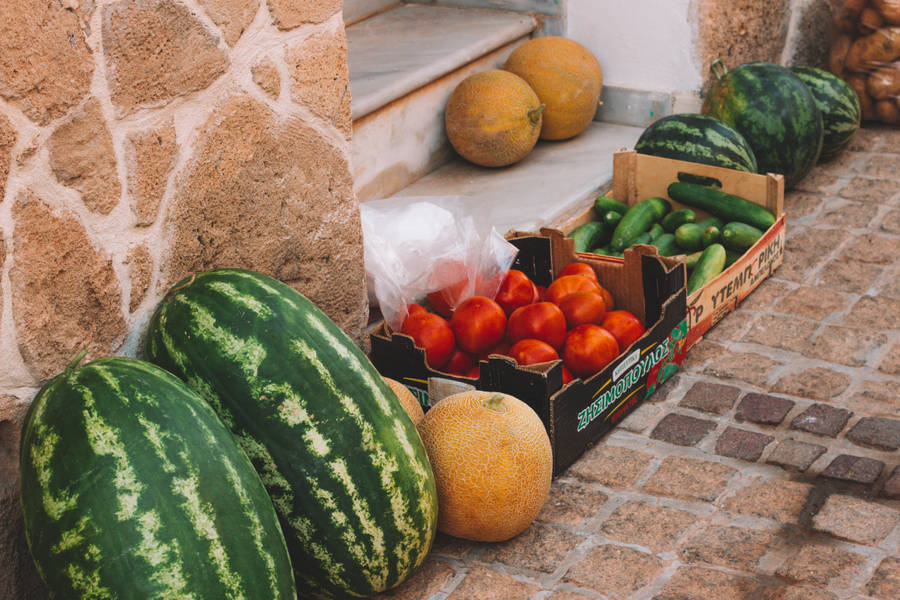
x: 140, y: 141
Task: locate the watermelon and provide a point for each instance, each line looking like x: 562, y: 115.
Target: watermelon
x: 340, y: 457
x: 839, y: 105
x: 697, y: 138
x: 133, y: 488
x: 776, y: 114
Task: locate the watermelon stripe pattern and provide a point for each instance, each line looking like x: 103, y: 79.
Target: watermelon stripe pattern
x: 697, y: 138
x: 839, y: 105
x: 775, y: 113
x: 132, y: 488
x: 340, y: 458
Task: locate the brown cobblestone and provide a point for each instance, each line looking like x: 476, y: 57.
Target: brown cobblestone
x: 778, y: 500
x: 753, y: 368
x: 818, y: 242
x: 869, y: 190
x: 702, y: 352
x: 289, y: 14
x: 730, y: 329
x: 427, y: 581
x: 885, y: 583
x: 681, y: 429
x: 764, y: 296
x: 884, y: 166
x: 446, y: 545
x: 891, y: 487
x: 567, y: 595
x: 798, y: 265
x: 876, y: 312
x: 653, y: 527
x: 777, y: 331
x: 689, y: 479
x: 711, y: 397
x: 796, y: 592
x: 763, y: 408
x: 891, y: 222
x: 485, y: 584
x: 891, y: 362
x: 541, y: 547
x: 869, y: 139
x: 816, y: 181
x: 641, y: 418
x: 844, y: 345
x: 820, y: 564
x: 876, y: 432
x: 793, y: 454
x: 663, y: 392
x: 850, y: 215
x: 811, y: 303
x: 875, y: 249
x: 855, y: 519
x: 742, y: 444
x: 570, y: 503
x: 851, y: 276
x: 611, y: 570
x: 856, y: 469
x: 151, y: 155
x: 818, y: 383
x: 877, y: 398
x: 697, y: 583
x: 612, y: 466
x: 822, y: 419
x: 731, y: 547
x: 801, y: 204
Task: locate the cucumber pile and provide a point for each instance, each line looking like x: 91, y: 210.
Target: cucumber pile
x: 711, y: 244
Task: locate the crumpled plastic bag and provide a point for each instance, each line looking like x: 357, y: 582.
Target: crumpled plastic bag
x: 417, y: 246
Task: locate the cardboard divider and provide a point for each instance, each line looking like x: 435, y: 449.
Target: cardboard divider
x: 577, y: 415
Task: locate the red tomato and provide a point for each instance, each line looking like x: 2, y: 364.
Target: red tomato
x: 539, y: 291
x: 567, y: 375
x: 530, y: 352
x: 501, y: 348
x: 607, y: 297
x: 542, y: 321
x: 578, y: 268
x: 516, y: 290
x: 583, y: 307
x: 460, y: 363
x: 478, y: 323
x: 569, y: 284
x: 624, y: 326
x: 474, y: 373
x: 433, y: 334
x: 588, y: 349
x: 410, y: 310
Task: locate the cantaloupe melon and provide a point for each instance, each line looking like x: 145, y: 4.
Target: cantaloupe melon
x: 409, y: 402
x: 566, y: 77
x: 493, y: 118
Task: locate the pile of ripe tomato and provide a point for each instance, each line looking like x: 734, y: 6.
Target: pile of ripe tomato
x: 574, y: 318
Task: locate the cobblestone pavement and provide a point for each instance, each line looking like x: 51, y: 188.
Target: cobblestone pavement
x: 768, y: 468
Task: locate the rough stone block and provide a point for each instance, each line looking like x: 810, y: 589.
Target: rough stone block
x: 320, y: 78
x: 882, y: 166
x: 877, y: 312
x: 612, y: 466
x: 892, y: 485
x: 711, y: 397
x: 742, y: 444
x: 232, y: 16
x: 848, y: 276
x: 782, y: 501
x: 779, y: 331
x: 891, y: 362
x: 7, y: 141
x: 875, y: 249
x: 289, y: 14
x: 485, y: 583
x: 150, y: 157
x: 844, y: 345
x: 876, y: 432
x: 856, y: 520
x: 796, y: 592
x: 856, y: 469
x: 822, y: 419
x: 794, y: 454
x: 140, y: 271
x: 809, y: 302
x: 424, y: 583
x: 570, y: 503
x: 689, y: 479
x: 885, y: 583
x: 749, y: 367
x: 763, y: 409
x: 541, y: 547
x: 653, y: 527
x: 641, y: 418
x: 820, y: 564
x: 266, y: 76
x: 696, y: 582
x: 612, y: 570
x: 731, y: 547
x: 681, y: 429
x: 817, y: 382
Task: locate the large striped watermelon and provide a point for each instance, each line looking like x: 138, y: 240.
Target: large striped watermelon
x: 133, y: 489
x: 697, y: 138
x: 839, y: 105
x: 775, y: 113
x: 342, y: 461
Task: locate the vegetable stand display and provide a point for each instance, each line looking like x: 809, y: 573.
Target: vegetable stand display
x: 579, y: 413
x: 639, y: 178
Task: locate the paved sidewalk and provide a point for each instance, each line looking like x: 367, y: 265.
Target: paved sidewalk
x: 768, y: 468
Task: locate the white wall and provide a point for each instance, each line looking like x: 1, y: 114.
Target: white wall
x: 641, y: 44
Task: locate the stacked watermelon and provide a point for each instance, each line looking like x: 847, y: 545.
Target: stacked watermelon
x: 134, y: 487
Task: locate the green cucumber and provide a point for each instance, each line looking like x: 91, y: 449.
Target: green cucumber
x: 689, y: 237
x: 636, y: 221
x: 731, y: 257
x: 739, y: 236
x: 665, y: 245
x: 644, y: 238
x: 692, y: 259
x: 722, y: 205
x: 711, y: 235
x: 612, y: 217
x: 709, y: 265
x: 677, y: 218
x: 700, y: 180
x: 655, y: 231
x: 712, y: 222
x: 605, y: 251
x: 604, y: 204
x: 588, y: 236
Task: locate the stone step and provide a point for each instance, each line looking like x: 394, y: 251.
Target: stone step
x: 554, y: 183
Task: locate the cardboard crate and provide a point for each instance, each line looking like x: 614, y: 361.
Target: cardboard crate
x: 639, y: 176
x: 576, y: 415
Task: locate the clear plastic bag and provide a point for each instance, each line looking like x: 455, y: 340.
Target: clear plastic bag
x: 865, y: 52
x: 417, y: 246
